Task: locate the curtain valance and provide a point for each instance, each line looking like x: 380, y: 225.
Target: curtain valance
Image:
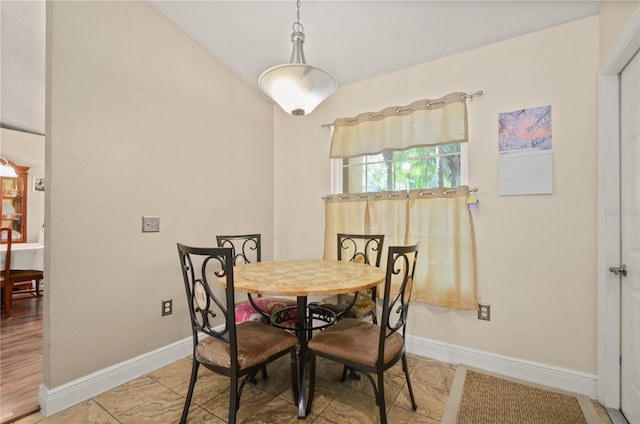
x: 422, y: 123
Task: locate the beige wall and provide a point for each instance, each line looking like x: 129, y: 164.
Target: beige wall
x: 27, y: 150
x: 614, y: 17
x: 536, y: 254
x: 141, y: 120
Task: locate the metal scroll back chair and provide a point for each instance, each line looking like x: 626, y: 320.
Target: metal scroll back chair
x: 359, y: 248
x: 238, y: 351
x: 14, y: 278
x: 247, y: 249
x: 367, y: 347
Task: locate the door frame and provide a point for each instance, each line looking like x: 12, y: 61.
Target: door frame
x: 608, y: 290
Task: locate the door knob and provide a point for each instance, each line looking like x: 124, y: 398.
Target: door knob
x: 622, y: 270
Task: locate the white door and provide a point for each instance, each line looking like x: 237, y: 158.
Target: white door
x: 630, y: 240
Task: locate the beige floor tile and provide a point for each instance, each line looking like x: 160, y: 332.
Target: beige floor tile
x: 251, y: 401
x: 392, y: 386
x: 199, y: 415
x: 325, y: 392
x: 208, y: 385
x: 279, y: 378
x: 85, y: 412
x: 328, y: 370
x: 322, y: 420
x: 435, y: 362
x: 175, y: 375
x: 278, y: 411
x: 431, y: 402
x: 397, y: 368
x: 397, y: 415
x: 352, y: 407
x: 434, y: 374
x: 159, y: 397
x: 142, y: 400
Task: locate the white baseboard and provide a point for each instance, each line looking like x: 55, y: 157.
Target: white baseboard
x: 548, y: 375
x: 84, y: 388
x: 69, y: 394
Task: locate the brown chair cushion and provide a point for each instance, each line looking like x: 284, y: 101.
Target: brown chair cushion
x: 357, y: 341
x: 20, y: 275
x: 256, y: 343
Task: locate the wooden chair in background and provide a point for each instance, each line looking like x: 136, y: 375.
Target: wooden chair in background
x: 15, y: 281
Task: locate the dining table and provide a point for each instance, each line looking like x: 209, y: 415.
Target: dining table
x: 24, y: 256
x: 303, y: 278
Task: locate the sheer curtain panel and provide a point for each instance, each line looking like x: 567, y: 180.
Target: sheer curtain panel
x: 446, y: 273
x: 438, y: 219
x: 343, y: 214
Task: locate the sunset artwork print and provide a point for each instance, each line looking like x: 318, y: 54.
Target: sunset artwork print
x: 525, y: 160
x: 525, y: 130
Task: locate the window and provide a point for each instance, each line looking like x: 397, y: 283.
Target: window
x: 413, y: 168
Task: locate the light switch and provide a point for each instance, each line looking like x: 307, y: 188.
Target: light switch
x: 150, y: 224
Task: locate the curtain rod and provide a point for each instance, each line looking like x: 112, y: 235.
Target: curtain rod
x: 393, y: 194
x: 469, y: 96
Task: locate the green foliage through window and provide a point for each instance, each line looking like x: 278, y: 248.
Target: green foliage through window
x: 415, y: 168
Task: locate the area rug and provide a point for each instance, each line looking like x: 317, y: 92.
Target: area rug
x: 480, y: 397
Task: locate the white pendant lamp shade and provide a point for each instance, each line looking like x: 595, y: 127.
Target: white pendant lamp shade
x: 296, y: 87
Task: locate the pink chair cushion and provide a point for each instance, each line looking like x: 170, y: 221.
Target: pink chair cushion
x: 246, y: 312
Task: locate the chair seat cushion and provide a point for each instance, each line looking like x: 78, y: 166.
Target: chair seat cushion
x: 20, y: 275
x: 364, y: 305
x: 256, y: 343
x: 246, y: 312
x: 357, y: 341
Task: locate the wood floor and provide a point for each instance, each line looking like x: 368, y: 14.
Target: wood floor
x: 20, y: 358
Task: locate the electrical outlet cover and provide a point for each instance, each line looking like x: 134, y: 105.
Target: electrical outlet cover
x: 484, y: 312
x: 150, y: 224
x: 167, y: 307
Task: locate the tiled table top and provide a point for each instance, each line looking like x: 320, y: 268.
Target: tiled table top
x: 306, y: 277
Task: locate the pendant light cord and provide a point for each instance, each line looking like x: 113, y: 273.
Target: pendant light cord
x: 297, y: 26
x: 297, y: 87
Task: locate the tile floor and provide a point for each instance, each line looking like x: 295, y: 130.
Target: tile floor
x: 159, y: 398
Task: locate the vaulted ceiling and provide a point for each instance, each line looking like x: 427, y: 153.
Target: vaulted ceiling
x: 353, y: 40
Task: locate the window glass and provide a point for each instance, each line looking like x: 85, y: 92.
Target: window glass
x: 415, y: 168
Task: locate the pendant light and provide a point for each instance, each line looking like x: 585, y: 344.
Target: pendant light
x: 296, y: 87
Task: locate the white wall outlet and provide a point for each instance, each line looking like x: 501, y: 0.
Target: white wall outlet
x: 167, y: 307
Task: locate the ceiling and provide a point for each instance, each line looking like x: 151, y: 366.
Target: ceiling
x: 353, y: 40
